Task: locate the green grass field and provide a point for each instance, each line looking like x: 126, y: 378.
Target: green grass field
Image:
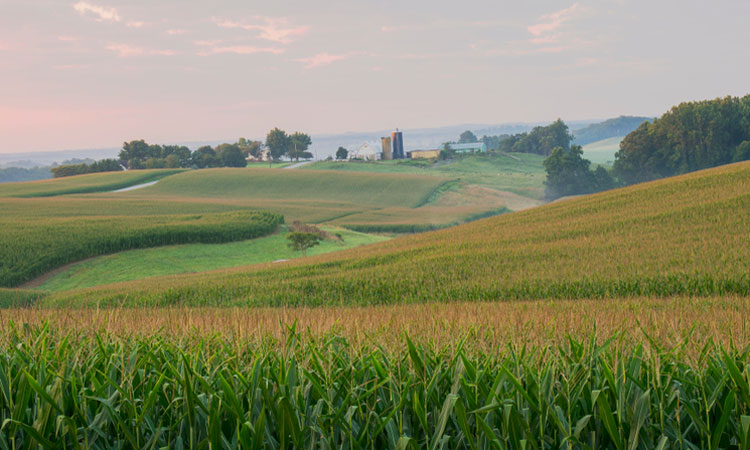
x: 602, y: 152
x: 191, y: 258
x: 680, y: 236
x: 265, y: 165
x: 80, y: 184
x: 520, y: 173
x: 247, y: 184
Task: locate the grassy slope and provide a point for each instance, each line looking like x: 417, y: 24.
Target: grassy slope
x: 602, y: 152
x: 41, y: 234
x: 144, y: 263
x: 340, y: 198
x: 520, y: 173
x: 369, y: 189
x: 94, y: 182
x: 685, y: 235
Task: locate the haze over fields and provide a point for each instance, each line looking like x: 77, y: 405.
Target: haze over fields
x: 93, y: 73
x: 547, y: 249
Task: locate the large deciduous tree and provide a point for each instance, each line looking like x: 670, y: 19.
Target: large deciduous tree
x: 231, y: 155
x: 568, y: 173
x: 467, y: 137
x: 277, y: 142
x: 298, y: 145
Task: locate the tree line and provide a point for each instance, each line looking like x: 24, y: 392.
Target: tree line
x: 541, y: 140
x: 138, y: 154
x: 691, y: 136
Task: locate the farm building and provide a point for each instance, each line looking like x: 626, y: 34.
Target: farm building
x: 474, y: 147
x: 423, y: 154
x: 265, y: 155
x: 367, y: 152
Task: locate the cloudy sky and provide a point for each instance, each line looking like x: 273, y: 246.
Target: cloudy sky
x: 93, y: 73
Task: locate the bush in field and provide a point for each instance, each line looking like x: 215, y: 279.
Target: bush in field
x: 301, y: 241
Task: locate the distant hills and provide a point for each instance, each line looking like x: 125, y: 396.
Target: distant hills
x: 585, y: 131
x: 617, y: 127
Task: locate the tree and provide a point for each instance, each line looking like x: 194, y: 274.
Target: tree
x: 298, y: 145
x: 277, y: 142
x: 300, y: 241
x: 568, y: 173
x: 231, y: 155
x: 203, y: 157
x: 467, y: 137
x: 248, y: 147
x: 180, y: 152
x: 172, y: 161
x: 691, y: 136
x: 492, y: 142
x: 446, y: 152
x: 134, y: 151
x: 542, y: 140
x: 342, y: 153
x: 155, y: 163
x: 742, y: 153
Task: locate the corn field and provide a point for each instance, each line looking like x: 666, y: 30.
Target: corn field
x: 100, y: 391
x: 32, y: 247
x: 684, y: 236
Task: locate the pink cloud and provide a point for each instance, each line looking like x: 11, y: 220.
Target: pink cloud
x: 323, y: 59
x: 272, y: 29
x: 136, y: 24
x: 551, y: 22
x: 207, y: 43
x: 68, y: 38
x: 126, y: 50
x: 241, y: 50
x: 100, y: 13
x: 176, y: 31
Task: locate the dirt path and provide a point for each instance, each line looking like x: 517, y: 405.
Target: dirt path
x: 299, y: 164
x: 137, y: 186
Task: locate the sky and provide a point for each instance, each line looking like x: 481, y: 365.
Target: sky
x: 95, y: 73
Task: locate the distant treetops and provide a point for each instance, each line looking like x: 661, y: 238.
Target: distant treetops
x: 138, y: 154
x: 689, y: 137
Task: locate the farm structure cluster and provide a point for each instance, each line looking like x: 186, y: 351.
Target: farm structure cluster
x: 392, y: 147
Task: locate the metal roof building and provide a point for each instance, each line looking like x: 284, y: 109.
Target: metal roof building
x: 469, y: 148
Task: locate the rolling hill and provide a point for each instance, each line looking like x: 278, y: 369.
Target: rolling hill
x: 680, y: 236
x: 54, y: 224
x: 82, y: 184
x: 602, y: 152
x: 610, y: 128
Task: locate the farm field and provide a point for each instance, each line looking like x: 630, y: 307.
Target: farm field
x: 519, y: 173
x: 639, y: 373
x: 81, y: 184
x: 42, y: 234
x: 602, y: 152
x: 680, y: 236
x: 190, y: 258
x: 384, y: 202
x: 39, y: 235
x: 640, y: 339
